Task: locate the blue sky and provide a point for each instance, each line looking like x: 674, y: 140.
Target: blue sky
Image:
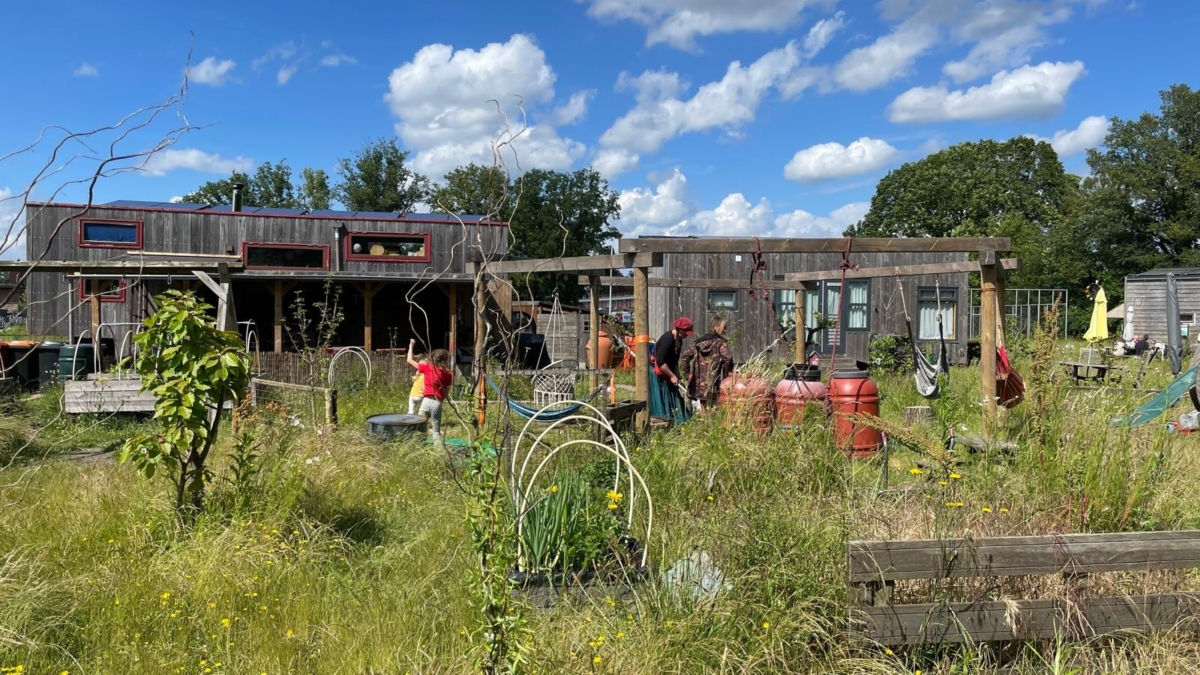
x: 709, y: 116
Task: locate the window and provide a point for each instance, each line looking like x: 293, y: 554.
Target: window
x: 110, y: 233
x: 1188, y: 317
x: 723, y: 301
x: 822, y: 299
x: 933, y: 303
x: 387, y: 246
x: 108, y: 290
x: 784, y: 305
x: 859, y: 294
x: 285, y: 256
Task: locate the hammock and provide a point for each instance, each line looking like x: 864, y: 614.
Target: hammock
x: 525, y: 412
x: 1164, y: 401
x: 926, y: 373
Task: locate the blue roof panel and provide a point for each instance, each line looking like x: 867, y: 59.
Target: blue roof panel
x: 132, y: 202
x: 180, y: 206
x: 376, y: 214
x: 282, y: 212
x: 332, y: 213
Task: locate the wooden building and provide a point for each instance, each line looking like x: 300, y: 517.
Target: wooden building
x: 1146, y: 293
x: 868, y: 307
x: 396, y: 276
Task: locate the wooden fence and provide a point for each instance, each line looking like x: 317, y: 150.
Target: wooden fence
x: 876, y: 566
x: 386, y: 368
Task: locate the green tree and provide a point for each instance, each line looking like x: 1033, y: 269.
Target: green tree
x: 550, y: 214
x: 1141, y: 205
x: 314, y: 189
x: 377, y: 179
x: 269, y: 185
x: 192, y: 369
x: 1015, y: 188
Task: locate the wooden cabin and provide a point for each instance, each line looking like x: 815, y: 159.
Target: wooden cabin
x: 395, y: 276
x: 869, y: 307
x: 1146, y: 293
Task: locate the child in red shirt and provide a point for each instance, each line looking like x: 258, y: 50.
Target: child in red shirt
x: 438, y: 378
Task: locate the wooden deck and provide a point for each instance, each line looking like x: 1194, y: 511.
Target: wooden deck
x: 109, y: 393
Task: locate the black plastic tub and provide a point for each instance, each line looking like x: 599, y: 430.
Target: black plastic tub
x: 396, y: 427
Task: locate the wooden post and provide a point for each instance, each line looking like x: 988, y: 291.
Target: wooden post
x: 278, y: 292
x: 480, y: 358
x: 95, y: 300
x: 452, y: 291
x: 368, y: 312
x: 641, y: 342
x: 331, y: 414
x: 801, y: 325
x: 987, y: 344
x: 594, y: 318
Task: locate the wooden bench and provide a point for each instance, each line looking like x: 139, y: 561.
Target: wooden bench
x: 875, y: 567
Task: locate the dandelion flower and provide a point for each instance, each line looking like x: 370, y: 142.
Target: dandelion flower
x: 954, y: 476
x: 889, y: 652
x: 986, y: 509
x: 1003, y: 509
x: 289, y: 634
x: 166, y: 596
x: 942, y: 482
x: 614, y: 495
x: 554, y: 489
x: 612, y: 506
x: 710, y: 498
x: 916, y: 471
x: 620, y: 635
x: 597, y: 659
x: 225, y: 623
x: 766, y: 625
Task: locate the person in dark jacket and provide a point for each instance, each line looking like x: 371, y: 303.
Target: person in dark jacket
x: 666, y: 400
x: 707, y: 362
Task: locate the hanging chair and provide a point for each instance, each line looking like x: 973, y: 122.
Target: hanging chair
x: 1010, y: 387
x: 925, y: 373
x: 541, y: 414
x: 559, y: 386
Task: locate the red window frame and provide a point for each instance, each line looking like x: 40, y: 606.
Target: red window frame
x: 351, y: 255
x: 83, y: 243
x: 246, y: 245
x: 84, y: 295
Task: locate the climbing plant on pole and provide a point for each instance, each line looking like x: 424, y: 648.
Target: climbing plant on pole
x: 193, y: 369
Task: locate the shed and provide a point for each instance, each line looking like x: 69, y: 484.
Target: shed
x: 1146, y: 293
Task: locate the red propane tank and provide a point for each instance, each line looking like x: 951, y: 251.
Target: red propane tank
x: 853, y: 392
x: 748, y: 400
x: 800, y: 387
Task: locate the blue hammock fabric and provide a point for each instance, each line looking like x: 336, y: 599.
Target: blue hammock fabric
x: 1163, y: 402
x: 666, y: 402
x: 525, y: 412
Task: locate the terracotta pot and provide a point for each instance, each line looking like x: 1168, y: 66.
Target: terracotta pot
x: 606, y: 352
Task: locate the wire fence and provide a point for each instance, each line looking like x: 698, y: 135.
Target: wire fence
x: 300, y: 405
x: 1024, y: 308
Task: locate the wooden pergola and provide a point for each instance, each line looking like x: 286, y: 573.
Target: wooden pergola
x: 644, y: 253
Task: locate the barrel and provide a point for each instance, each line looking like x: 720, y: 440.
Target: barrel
x: 396, y: 427
x: 801, y: 387
x: 24, y: 364
x: 748, y: 401
x: 47, y: 365
x: 76, y: 361
x: 853, y: 392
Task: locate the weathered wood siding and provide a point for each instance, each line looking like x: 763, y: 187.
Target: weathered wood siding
x: 754, y: 330
x: 1148, y: 296
x: 184, y: 232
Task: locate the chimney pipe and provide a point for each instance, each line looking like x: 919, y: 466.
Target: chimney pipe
x: 237, y: 196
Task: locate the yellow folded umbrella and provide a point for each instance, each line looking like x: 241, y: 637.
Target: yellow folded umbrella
x: 1098, y: 328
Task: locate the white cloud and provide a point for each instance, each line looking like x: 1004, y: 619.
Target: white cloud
x: 665, y: 210
x: 211, y: 71
x: 829, y: 161
x: 86, y: 69
x: 10, y: 205
x: 663, y: 206
x: 660, y: 113
x: 1089, y: 134
x: 285, y: 73
x: 575, y: 109
x: 679, y: 22
x: 441, y: 101
x: 1004, y: 34
x: 335, y: 60
x: 281, y: 52
x: 888, y: 58
x: 822, y: 33
x: 171, y: 159
x: 1030, y: 91
x: 612, y: 162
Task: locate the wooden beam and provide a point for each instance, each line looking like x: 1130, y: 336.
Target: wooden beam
x: 278, y: 293
x: 782, y: 245
x: 212, y: 285
x: 826, y: 275
x: 987, y: 345
x: 594, y: 318
x: 226, y: 316
x: 480, y: 353
x: 114, y: 266
x: 452, y: 291
x: 596, y: 263
x: 801, y: 324
x: 95, y: 300
x: 368, y: 294
x: 641, y: 342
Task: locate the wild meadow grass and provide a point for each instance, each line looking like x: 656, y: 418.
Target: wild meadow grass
x: 339, y: 554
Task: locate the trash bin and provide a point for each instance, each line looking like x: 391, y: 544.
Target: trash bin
x: 24, y: 366
x: 76, y: 361
x: 47, y: 362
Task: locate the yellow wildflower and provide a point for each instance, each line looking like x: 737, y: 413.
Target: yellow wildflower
x: 889, y: 652
x: 986, y: 509
x: 614, y: 495
x: 954, y: 476
x: 166, y: 596
x: 766, y: 625
x: 1003, y: 510
x: 597, y: 659
x: 612, y: 506
x: 289, y: 634
x: 225, y: 622
x: 620, y: 635
x: 916, y: 471
x: 942, y: 482
x: 553, y: 489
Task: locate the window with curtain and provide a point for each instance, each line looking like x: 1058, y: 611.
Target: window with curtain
x: 784, y: 305
x: 932, y: 303
x: 858, y: 300
x: 723, y: 300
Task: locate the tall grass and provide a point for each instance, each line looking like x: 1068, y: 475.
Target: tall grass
x: 340, y: 555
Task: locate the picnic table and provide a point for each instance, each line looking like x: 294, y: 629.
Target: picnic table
x: 1096, y: 372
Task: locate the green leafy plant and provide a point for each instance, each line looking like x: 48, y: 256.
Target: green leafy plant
x: 567, y: 529
x: 192, y: 368
x: 890, y: 353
